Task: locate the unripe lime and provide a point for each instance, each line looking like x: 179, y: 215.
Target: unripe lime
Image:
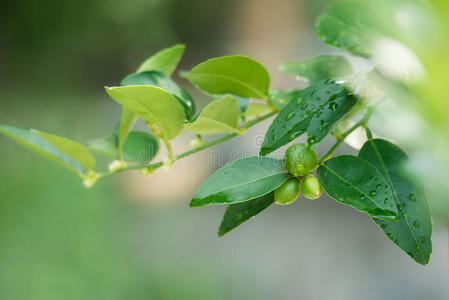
x: 288, y: 192
x: 311, y: 188
x: 300, y: 159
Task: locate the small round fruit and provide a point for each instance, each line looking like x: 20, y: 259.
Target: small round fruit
x: 300, y: 159
x: 311, y: 188
x: 288, y: 192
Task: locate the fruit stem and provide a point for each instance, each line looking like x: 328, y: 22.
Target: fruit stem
x: 362, y: 122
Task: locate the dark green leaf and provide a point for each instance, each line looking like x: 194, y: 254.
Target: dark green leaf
x: 315, y: 110
x: 344, y: 26
x: 68, y: 153
x: 159, y: 79
x: 281, y: 98
x: 140, y: 147
x: 237, y: 75
x: 352, y: 181
x: 319, y: 68
x: 413, y: 229
x: 165, y: 60
x: 241, y: 180
x: 238, y: 213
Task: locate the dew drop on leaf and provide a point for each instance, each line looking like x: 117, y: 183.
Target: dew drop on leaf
x: 423, y: 239
x: 290, y: 116
x: 412, y: 197
x: 299, y: 100
x: 383, y: 226
x: 373, y: 193
x: 416, y: 223
x: 311, y: 140
x: 304, y: 106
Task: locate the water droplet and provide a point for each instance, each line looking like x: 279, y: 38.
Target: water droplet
x: 386, y: 200
x: 420, y: 191
x: 290, y: 116
x: 294, y: 135
x: 412, y: 197
x: 423, y: 239
x: 416, y: 223
x: 390, y: 236
x: 418, y: 248
x: 383, y: 226
x: 333, y: 106
x: 378, y: 186
x: 396, y: 242
x: 373, y: 193
x: 304, y: 106
x: 299, y: 100
x: 311, y: 140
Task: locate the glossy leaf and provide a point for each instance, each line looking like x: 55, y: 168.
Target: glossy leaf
x: 219, y: 116
x: 159, y: 79
x: 164, y: 61
x: 140, y: 147
x: 155, y: 105
x: 237, y: 75
x: 319, y: 68
x: 315, y: 110
x: 352, y: 181
x: 68, y: 153
x: 343, y: 26
x: 412, y: 231
x: 241, y: 180
x: 281, y: 98
x: 238, y: 213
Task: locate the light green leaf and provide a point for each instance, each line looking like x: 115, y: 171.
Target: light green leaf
x: 68, y: 153
x: 140, y: 147
x: 352, y: 181
x: 219, y: 116
x: 257, y: 109
x: 318, y: 68
x: 343, y: 25
x: 412, y: 231
x: 165, y: 60
x: 238, y: 75
x: 241, y: 180
x: 238, y: 213
x: 155, y: 105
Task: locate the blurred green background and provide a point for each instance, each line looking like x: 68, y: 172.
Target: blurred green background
x: 133, y: 237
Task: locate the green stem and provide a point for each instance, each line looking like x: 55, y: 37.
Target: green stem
x: 362, y: 122
x: 191, y: 151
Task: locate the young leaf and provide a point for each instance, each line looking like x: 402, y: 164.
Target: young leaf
x: 159, y: 79
x: 238, y: 213
x: 219, y: 116
x: 315, y: 110
x: 352, y: 181
x: 241, y: 180
x: 281, y: 98
x: 343, y: 26
x: 165, y: 60
x: 140, y: 147
x: 413, y: 229
x: 127, y: 121
x: 257, y: 109
x: 154, y: 105
x: 68, y: 153
x: 319, y: 68
x: 238, y: 75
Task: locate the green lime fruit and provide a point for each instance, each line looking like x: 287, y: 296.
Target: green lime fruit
x: 311, y: 188
x: 288, y: 192
x: 300, y: 159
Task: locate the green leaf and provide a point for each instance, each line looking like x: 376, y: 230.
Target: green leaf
x: 159, y: 79
x: 412, y: 231
x: 155, y: 105
x: 238, y: 213
x: 241, y: 180
x: 165, y: 60
x: 315, y: 110
x: 257, y: 109
x: 140, y: 147
x: 219, y: 116
x: 127, y: 121
x: 352, y: 181
x: 281, y: 98
x: 238, y: 75
x: 319, y: 68
x: 68, y: 153
x: 343, y: 25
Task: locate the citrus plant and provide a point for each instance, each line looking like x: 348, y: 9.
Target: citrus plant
x: 373, y: 182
